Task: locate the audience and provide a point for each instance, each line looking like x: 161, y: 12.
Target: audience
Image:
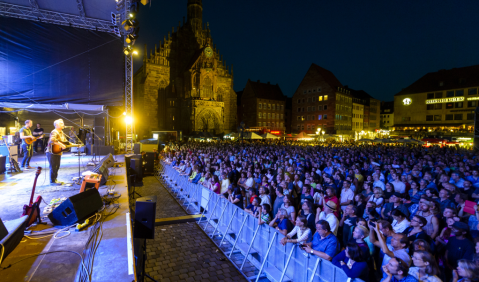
x: 396, y: 205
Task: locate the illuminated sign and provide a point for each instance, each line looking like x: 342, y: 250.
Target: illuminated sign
x: 275, y: 132
x: 407, y: 102
x: 473, y: 98
x: 445, y: 100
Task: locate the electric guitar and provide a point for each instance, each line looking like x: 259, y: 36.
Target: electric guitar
x: 57, y: 149
x: 32, y: 139
x: 33, y: 208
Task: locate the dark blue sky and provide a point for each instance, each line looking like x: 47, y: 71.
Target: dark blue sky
x: 378, y: 46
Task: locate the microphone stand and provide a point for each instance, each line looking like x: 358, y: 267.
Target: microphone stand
x: 78, y: 182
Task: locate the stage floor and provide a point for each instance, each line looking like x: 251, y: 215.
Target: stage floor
x: 111, y: 259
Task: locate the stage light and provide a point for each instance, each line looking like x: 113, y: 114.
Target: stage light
x: 128, y: 120
x: 135, y: 52
x: 129, y: 24
x: 132, y: 37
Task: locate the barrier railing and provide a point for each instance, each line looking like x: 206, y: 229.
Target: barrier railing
x: 259, y: 244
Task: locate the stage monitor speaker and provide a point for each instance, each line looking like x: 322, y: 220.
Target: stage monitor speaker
x: 145, y: 213
x: 77, y: 208
x: 137, y: 170
x: 102, y: 168
x: 3, y: 230
x: 149, y: 161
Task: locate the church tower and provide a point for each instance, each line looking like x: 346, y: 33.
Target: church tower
x: 184, y: 83
x: 195, y: 14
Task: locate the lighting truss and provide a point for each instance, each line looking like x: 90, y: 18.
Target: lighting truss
x: 40, y: 15
x: 130, y: 127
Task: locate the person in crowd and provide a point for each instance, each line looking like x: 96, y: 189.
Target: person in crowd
x: 236, y: 198
x: 424, y: 210
x: 466, y: 271
x: 348, y: 222
x: 458, y: 247
x: 445, y: 201
x: 347, y: 195
x: 254, y: 208
x: 324, y: 245
x: 265, y: 214
x: 352, y: 262
x: 421, y: 245
x: 395, y: 202
x: 264, y: 195
x: 360, y: 202
x: 397, y: 270
x: 301, y: 230
x: 388, y: 192
x: 215, y: 185
x: 288, y: 206
x: 415, y: 231
x: 425, y: 267
x: 360, y: 233
x: 225, y: 183
x: 278, y: 202
x: 378, y: 198
x: 281, y: 222
x: 307, y: 211
x: 328, y: 215
x: 400, y: 222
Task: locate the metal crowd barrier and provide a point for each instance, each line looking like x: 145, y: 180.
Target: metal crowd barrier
x: 259, y: 244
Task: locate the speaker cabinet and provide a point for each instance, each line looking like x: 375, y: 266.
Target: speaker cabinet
x: 149, y: 161
x: 99, y: 130
x: 77, y: 208
x: 145, y: 213
x: 137, y: 170
x: 3, y: 230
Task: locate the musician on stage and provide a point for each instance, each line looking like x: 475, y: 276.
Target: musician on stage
x: 37, y: 132
x: 25, y: 133
x: 56, y: 136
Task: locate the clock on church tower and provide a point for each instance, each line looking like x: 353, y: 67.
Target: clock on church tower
x: 208, y: 52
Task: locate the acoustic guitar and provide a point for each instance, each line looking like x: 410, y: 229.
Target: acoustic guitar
x: 33, y: 208
x: 32, y: 139
x: 57, y: 149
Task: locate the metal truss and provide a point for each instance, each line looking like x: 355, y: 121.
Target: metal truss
x: 33, y: 13
x: 130, y: 127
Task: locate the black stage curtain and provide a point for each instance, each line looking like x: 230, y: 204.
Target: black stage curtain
x: 53, y: 64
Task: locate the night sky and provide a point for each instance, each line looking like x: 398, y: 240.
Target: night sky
x: 377, y: 46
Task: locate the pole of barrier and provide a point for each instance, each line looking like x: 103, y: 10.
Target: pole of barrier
x: 287, y: 262
x: 219, y: 219
x: 212, y: 212
x: 250, y: 246
x: 266, y: 256
x: 204, y: 210
x: 228, y: 227
x: 238, y: 235
x: 315, y: 269
x: 195, y: 190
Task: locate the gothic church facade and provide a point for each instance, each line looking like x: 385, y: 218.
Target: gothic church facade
x: 184, y: 84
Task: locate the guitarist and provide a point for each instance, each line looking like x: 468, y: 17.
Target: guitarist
x: 25, y: 133
x: 37, y: 132
x: 56, y: 136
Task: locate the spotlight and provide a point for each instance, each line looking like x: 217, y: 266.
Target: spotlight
x: 134, y: 7
x: 128, y: 24
x: 132, y: 37
x: 128, y: 120
x: 129, y: 51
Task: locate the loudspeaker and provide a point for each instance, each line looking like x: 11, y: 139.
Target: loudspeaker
x: 77, y: 208
x: 3, y: 230
x: 149, y: 161
x: 99, y: 130
x: 145, y: 213
x: 99, y: 150
x: 137, y: 170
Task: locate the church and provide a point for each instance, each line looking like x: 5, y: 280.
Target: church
x: 184, y: 84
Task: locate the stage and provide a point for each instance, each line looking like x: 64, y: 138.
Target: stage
x: 111, y: 258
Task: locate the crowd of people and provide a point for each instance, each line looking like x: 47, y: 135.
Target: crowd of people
x: 380, y: 213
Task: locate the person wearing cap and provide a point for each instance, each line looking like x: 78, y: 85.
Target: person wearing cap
x: 328, y: 214
x: 458, y: 247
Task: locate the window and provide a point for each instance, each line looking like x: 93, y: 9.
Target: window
x: 309, y: 127
x: 302, y: 126
x: 320, y: 117
x: 273, y: 115
x: 299, y: 110
x: 298, y: 118
x: 309, y: 100
x: 314, y: 90
x: 438, y: 95
x: 472, y: 104
x: 430, y: 95
x: 320, y: 98
x: 406, y: 119
x: 274, y: 107
x: 429, y: 107
x: 457, y: 116
x: 307, y: 117
x: 450, y: 94
x: 470, y: 116
x: 281, y: 107
x: 269, y: 115
x: 325, y: 116
x: 325, y: 97
x: 313, y: 108
x: 309, y: 90
x: 449, y: 117
x: 299, y: 127
x: 259, y: 123
x: 269, y: 106
x: 304, y: 92
x: 173, y: 117
x: 459, y: 104
x: 302, y: 117
x: 303, y: 110
x: 260, y: 106
x: 281, y: 116
x: 319, y: 89
x: 472, y: 91
x: 459, y: 93
x: 299, y: 101
x: 309, y: 108
x: 437, y: 117
x: 438, y: 106
x: 449, y: 105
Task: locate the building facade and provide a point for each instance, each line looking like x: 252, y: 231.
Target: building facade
x: 321, y: 102
x: 440, y: 103
x: 184, y: 84
x: 358, y: 117
x: 387, y: 115
x: 263, y: 106
x: 371, y: 112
